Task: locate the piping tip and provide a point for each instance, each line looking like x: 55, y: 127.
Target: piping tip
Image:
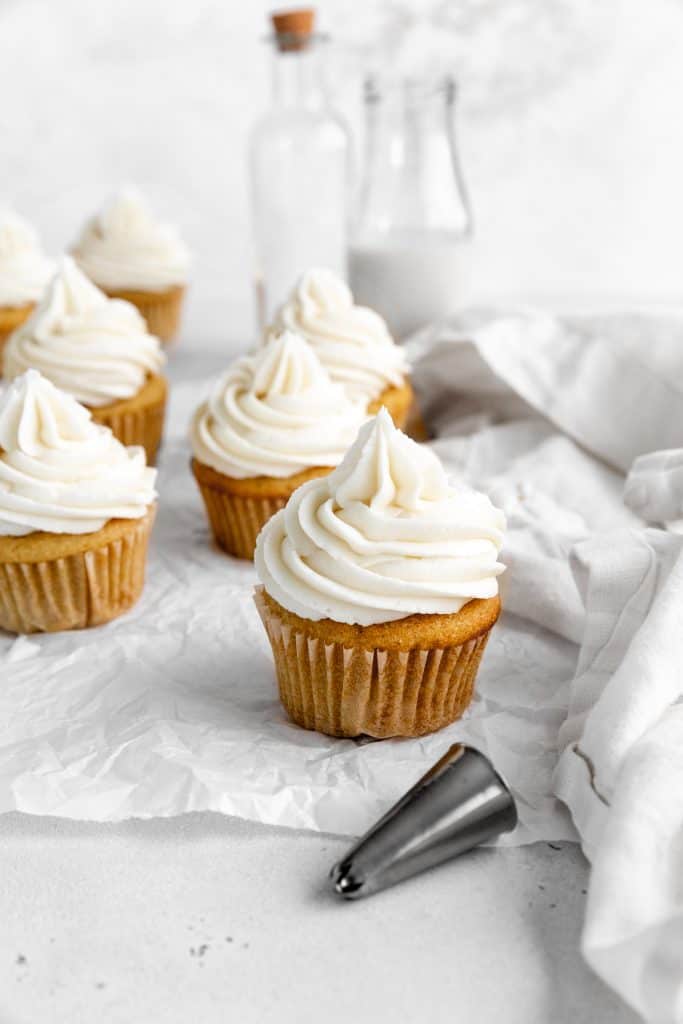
x: 462, y: 801
x: 346, y: 883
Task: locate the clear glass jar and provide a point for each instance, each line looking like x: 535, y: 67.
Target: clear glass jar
x: 299, y: 162
x: 411, y: 246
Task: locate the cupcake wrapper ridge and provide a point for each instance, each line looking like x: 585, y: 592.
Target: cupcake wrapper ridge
x: 161, y: 310
x: 79, y: 590
x: 142, y: 425
x: 354, y: 691
x: 236, y: 520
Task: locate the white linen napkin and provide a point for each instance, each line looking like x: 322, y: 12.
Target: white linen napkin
x: 548, y: 414
x: 621, y: 770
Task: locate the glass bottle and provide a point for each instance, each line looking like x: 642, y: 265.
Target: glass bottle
x: 299, y: 162
x: 411, y: 246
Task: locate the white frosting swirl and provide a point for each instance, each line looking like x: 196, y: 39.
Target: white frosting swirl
x: 382, y: 537
x: 123, y: 246
x: 24, y: 268
x: 95, y: 348
x: 59, y: 471
x: 275, y: 413
x: 352, y: 342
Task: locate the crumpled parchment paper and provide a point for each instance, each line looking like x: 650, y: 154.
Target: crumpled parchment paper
x: 174, y: 708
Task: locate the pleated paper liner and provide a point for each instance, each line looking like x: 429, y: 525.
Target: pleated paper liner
x: 161, y: 310
x: 239, y: 508
x: 51, y: 582
x: 140, y: 419
x: 335, y: 686
x: 12, y: 317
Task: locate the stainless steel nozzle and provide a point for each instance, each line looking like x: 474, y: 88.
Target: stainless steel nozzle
x: 461, y: 802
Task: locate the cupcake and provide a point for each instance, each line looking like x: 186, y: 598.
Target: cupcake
x: 274, y: 421
x: 379, y: 591
x: 352, y: 342
x: 100, y: 352
x: 24, y: 272
x: 132, y: 256
x: 76, y: 511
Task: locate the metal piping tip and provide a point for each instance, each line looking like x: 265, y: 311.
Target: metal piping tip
x: 345, y: 883
x: 461, y: 802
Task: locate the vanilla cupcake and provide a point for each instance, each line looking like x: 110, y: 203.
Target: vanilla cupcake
x: 76, y: 511
x: 99, y: 351
x: 352, y: 342
x: 132, y: 256
x: 24, y: 272
x: 274, y: 421
x: 380, y: 590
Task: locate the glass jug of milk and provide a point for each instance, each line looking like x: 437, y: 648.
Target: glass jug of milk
x: 411, y: 242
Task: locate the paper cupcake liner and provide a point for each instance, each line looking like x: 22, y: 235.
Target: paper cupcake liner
x: 237, y: 520
x: 78, y: 590
x: 353, y: 691
x: 141, y: 424
x: 161, y: 310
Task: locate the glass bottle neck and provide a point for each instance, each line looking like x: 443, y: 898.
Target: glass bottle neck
x: 297, y: 79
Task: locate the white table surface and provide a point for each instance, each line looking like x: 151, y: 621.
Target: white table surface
x: 205, y: 918
x: 208, y: 919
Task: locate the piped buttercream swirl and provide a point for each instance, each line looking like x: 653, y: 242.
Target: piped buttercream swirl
x: 352, y: 342
x: 24, y: 268
x: 125, y: 247
x: 275, y: 413
x: 95, y: 348
x: 382, y: 537
x: 59, y: 471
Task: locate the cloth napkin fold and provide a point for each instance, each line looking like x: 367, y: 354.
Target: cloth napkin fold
x: 621, y: 770
x: 550, y: 413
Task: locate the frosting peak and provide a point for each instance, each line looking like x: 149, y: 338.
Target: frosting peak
x: 288, y: 366
x: 24, y: 268
x: 320, y: 291
x: 95, y: 348
x: 125, y: 247
x: 382, y: 537
x: 59, y: 471
x: 352, y: 342
x: 385, y: 469
x: 275, y: 413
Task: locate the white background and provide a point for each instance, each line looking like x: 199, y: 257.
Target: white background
x: 570, y: 129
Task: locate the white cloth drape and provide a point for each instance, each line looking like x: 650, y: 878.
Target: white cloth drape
x: 549, y: 414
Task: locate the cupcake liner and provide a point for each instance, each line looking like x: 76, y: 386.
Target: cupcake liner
x: 74, y: 591
x: 354, y: 691
x: 139, y: 421
x: 236, y: 520
x: 239, y: 508
x: 161, y: 310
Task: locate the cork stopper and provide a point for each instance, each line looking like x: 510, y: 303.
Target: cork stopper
x: 293, y: 28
